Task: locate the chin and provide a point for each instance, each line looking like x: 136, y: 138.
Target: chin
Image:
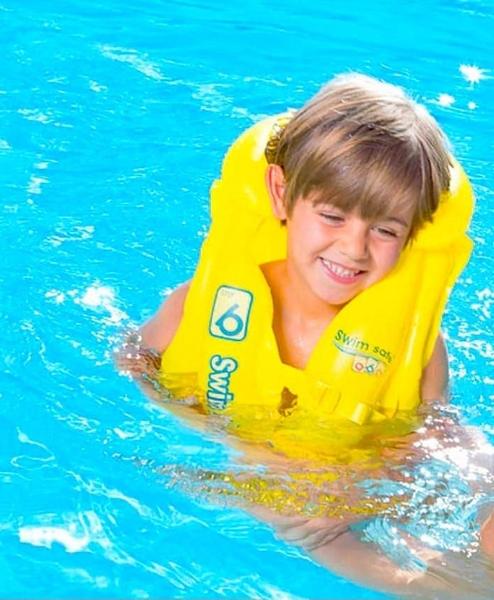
x: 337, y: 295
x: 340, y: 303
x: 337, y: 300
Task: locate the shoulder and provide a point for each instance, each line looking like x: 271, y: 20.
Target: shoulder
x: 159, y: 331
x: 434, y: 383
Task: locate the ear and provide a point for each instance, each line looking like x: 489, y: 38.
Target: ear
x: 276, y: 185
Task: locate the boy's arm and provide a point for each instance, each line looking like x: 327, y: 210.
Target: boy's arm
x: 434, y: 383
x: 140, y: 354
x: 158, y: 332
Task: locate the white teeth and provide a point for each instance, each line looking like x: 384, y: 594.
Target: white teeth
x: 339, y: 270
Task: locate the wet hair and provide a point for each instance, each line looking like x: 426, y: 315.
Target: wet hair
x: 363, y: 145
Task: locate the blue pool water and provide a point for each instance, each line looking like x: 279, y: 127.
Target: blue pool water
x: 114, y: 119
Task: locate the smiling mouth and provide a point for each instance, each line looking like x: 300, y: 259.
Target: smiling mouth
x: 341, y: 273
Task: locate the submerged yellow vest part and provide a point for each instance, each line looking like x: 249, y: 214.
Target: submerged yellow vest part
x: 368, y: 363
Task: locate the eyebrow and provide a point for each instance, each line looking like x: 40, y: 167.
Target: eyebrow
x: 397, y: 220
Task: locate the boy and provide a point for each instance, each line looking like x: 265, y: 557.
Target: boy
x: 352, y: 179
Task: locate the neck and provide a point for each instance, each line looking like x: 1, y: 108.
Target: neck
x: 293, y: 299
x: 299, y: 318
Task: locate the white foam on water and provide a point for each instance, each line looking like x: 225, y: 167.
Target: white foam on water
x: 210, y: 98
x: 35, y: 183
x: 485, y: 300
x: 133, y: 58
x: 445, y: 100
x: 472, y: 73
x: 100, y: 297
x: 75, y: 534
x: 47, y: 536
x: 94, y: 86
x: 74, y: 234
x: 34, y: 115
x: 55, y: 296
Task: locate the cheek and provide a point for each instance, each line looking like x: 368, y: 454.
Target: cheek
x: 295, y: 245
x: 389, y: 256
x: 301, y: 237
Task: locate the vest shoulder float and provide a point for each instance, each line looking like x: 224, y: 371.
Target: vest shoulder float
x: 368, y: 363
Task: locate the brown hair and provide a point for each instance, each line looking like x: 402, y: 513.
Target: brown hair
x: 362, y: 144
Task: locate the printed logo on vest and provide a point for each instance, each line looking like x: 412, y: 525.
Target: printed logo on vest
x: 367, y: 358
x: 218, y: 393
x: 368, y: 365
x: 230, y: 314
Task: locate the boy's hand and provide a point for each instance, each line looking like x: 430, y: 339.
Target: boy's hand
x: 136, y: 361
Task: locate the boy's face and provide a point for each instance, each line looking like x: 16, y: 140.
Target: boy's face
x: 336, y: 255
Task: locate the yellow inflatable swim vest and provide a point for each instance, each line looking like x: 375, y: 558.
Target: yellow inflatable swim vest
x: 367, y: 366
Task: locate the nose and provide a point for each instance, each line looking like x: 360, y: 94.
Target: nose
x: 354, y: 242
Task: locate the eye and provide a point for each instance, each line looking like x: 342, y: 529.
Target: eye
x: 386, y: 232
x: 333, y: 218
